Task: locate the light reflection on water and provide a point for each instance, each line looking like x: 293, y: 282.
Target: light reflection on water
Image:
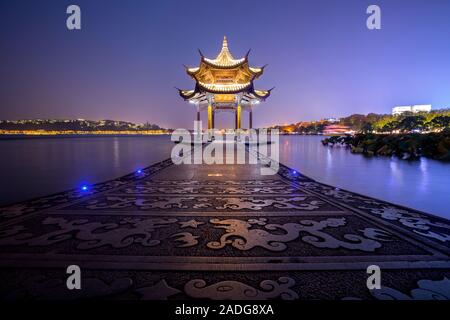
x: 422, y: 184
x: 40, y: 166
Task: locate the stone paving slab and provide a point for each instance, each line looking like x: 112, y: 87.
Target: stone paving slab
x: 220, y: 232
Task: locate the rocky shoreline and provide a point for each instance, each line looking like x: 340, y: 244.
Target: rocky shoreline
x: 405, y: 146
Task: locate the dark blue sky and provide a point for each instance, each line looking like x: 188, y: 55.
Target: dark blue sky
x: 128, y: 57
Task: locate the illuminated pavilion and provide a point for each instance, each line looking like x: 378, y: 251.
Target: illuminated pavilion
x: 224, y: 84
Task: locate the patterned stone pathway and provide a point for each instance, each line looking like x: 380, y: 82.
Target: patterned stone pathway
x: 220, y: 232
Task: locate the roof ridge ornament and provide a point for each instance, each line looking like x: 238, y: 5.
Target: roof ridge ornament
x: 225, y: 42
x: 248, y: 52
x: 225, y: 56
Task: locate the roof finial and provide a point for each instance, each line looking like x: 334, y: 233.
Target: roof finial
x: 225, y: 42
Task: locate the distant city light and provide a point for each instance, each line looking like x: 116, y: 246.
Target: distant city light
x: 139, y: 171
x: 84, y: 188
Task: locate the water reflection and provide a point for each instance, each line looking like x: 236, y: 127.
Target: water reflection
x: 395, y: 178
x: 116, y: 152
x: 424, y: 169
x: 329, y: 160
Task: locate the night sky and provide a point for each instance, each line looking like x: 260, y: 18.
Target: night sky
x: 127, y: 59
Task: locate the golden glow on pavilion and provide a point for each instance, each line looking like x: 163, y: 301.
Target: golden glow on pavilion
x: 224, y: 84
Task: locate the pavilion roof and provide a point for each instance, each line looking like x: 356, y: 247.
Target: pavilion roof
x: 224, y: 88
x: 224, y: 59
x: 249, y: 93
x: 238, y: 78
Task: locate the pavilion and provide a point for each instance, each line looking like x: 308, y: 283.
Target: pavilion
x: 224, y: 84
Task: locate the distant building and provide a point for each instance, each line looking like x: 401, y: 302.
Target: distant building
x: 332, y: 120
x: 421, y: 108
x: 415, y: 108
x: 334, y: 129
x: 401, y: 109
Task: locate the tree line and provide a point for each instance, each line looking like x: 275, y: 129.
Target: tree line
x: 76, y: 125
x: 434, y: 121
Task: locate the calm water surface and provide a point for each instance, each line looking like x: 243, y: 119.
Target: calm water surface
x: 422, y: 184
x: 40, y: 166
x: 36, y: 167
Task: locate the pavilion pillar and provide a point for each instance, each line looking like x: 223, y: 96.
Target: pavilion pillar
x: 235, y: 120
x: 198, y: 127
x: 238, y: 114
x: 213, y: 119
x: 250, y: 119
x: 210, y: 117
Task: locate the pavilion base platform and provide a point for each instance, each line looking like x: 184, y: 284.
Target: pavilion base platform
x: 220, y: 232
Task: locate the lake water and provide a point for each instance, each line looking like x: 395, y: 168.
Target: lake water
x: 422, y: 184
x: 40, y: 166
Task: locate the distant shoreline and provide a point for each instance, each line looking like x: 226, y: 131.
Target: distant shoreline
x: 4, y: 135
x: 10, y: 135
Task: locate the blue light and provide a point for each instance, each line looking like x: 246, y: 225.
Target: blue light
x: 139, y: 171
x: 294, y: 172
x: 84, y: 188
